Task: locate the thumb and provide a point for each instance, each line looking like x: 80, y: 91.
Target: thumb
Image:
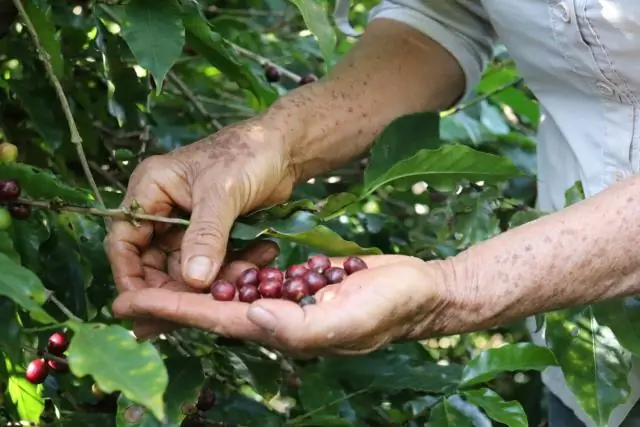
x: 205, y: 242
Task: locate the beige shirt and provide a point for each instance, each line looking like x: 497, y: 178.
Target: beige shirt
x: 581, y: 58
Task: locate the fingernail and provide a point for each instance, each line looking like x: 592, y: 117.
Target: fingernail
x: 199, y: 268
x: 262, y: 318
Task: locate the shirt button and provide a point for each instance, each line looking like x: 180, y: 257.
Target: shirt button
x: 563, y: 11
x: 605, y: 89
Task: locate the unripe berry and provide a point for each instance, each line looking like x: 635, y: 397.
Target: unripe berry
x: 272, y: 74
x: 271, y: 273
x: 60, y: 367
x: 314, y: 281
x: 335, y: 275
x: 248, y: 293
x: 250, y: 276
x: 9, y: 189
x: 221, y: 290
x: 37, y: 371
x: 353, y: 264
x: 206, y: 399
x: 294, y: 289
x: 318, y: 263
x: 19, y: 211
x: 306, y: 79
x: 5, y: 219
x: 58, y: 343
x: 296, y: 270
x: 8, y: 152
x: 270, y: 289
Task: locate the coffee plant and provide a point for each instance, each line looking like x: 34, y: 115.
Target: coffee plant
x: 89, y: 89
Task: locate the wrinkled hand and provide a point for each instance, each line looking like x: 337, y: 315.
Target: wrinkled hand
x: 397, y: 298
x: 239, y: 169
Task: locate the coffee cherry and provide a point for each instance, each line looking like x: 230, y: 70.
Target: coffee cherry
x: 270, y: 289
x: 8, y: 152
x: 206, y: 400
x: 335, y: 275
x: 250, y: 276
x: 58, y: 343
x: 9, y: 189
x: 296, y: 270
x: 272, y: 74
x: 306, y: 79
x: 353, y: 264
x: 221, y: 290
x: 271, y: 273
x: 60, y: 367
x: 19, y: 211
x: 294, y: 289
x: 248, y: 293
x: 318, y: 263
x: 5, y: 219
x: 308, y: 300
x: 37, y: 371
x: 314, y: 281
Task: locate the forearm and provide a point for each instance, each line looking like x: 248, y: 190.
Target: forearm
x: 586, y: 253
x: 392, y: 71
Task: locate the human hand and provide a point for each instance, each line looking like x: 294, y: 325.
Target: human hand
x: 239, y: 169
x: 396, y: 298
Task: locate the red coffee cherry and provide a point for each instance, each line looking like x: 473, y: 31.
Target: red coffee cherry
x: 19, y: 211
x: 58, y: 343
x: 9, y: 189
x: 296, y: 270
x: 271, y: 273
x: 248, y: 293
x: 250, y: 277
x: 270, y: 289
x: 37, y: 371
x: 272, y: 74
x: 318, y: 263
x: 353, y: 264
x: 306, y: 79
x: 314, y: 281
x: 60, y: 367
x: 294, y: 289
x: 221, y: 290
x: 335, y: 275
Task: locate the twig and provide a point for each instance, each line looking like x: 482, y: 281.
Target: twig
x: 194, y: 100
x: 483, y: 97
x: 76, y: 139
x: 63, y: 308
x: 264, y: 61
x: 46, y: 355
x: 120, y: 213
x: 106, y: 175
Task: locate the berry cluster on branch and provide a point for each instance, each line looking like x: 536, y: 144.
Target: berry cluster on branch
x: 53, y: 359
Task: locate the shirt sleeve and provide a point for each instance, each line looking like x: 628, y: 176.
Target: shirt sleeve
x: 460, y: 26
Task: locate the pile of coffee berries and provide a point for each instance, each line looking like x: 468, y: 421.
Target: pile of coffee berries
x: 38, y: 370
x: 298, y: 283
x: 10, y: 192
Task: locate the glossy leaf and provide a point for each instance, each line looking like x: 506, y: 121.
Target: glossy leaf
x: 448, y: 414
x: 509, y: 358
x: 446, y: 165
x: 509, y: 413
x: 24, y: 288
x: 318, y: 22
x: 25, y: 398
x: 42, y: 184
x: 600, y: 380
x: 319, y: 391
x: 42, y: 22
x: 154, y: 31
x: 621, y: 316
x: 111, y: 355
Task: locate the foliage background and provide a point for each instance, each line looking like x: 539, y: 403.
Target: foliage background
x: 143, y: 77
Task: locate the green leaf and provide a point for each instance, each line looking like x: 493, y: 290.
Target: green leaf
x: 47, y: 36
x: 446, y: 414
x: 522, y: 217
x: 212, y: 47
x: 7, y: 247
x: 24, y: 288
x: 594, y: 364
x: 402, y: 139
x: 185, y: 381
x: 238, y: 409
x: 316, y: 19
x: 11, y: 330
x: 574, y: 194
x: 513, y: 357
x: 336, y: 203
x: 39, y: 183
x: 83, y: 419
x: 622, y: 316
x: 509, y: 413
x: 25, y: 397
x: 319, y: 391
x: 113, y: 357
x: 154, y: 31
x: 448, y: 165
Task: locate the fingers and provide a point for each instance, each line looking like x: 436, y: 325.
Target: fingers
x: 205, y: 242
x: 259, y: 252
x: 156, y: 187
